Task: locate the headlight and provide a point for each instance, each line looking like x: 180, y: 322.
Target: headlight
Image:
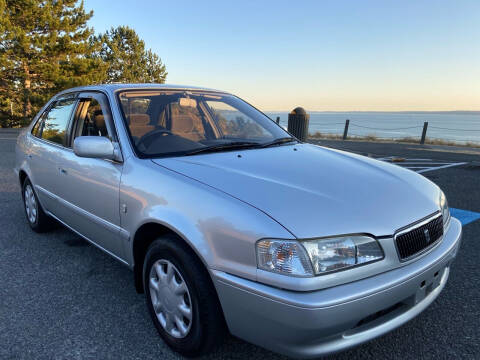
x: 306, y: 258
x: 444, y: 208
x: 338, y: 253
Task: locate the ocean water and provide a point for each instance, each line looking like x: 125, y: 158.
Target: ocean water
x: 458, y: 126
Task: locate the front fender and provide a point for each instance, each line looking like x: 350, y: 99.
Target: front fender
x: 222, y: 230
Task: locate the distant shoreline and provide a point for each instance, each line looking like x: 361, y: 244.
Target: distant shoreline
x: 450, y: 112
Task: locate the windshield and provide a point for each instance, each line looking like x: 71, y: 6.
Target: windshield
x: 166, y: 122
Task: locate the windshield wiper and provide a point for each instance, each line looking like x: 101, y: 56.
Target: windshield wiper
x: 279, y: 141
x: 227, y: 146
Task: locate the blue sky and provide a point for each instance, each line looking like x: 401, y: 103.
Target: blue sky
x: 323, y: 55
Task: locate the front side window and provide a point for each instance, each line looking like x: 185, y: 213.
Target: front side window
x: 93, y: 123
x: 54, y: 124
x: 175, y: 122
x: 93, y: 117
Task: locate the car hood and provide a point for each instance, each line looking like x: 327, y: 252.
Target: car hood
x: 314, y: 191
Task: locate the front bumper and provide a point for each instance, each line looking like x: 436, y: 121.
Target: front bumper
x: 315, y: 323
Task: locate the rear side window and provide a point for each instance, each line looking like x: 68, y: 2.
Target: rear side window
x: 55, y: 122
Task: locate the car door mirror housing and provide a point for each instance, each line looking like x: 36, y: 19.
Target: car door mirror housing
x: 94, y: 147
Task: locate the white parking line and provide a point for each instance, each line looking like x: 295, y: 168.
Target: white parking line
x: 423, y: 162
x: 442, y: 167
x: 420, y: 165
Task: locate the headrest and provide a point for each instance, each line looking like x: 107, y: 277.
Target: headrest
x: 183, y: 123
x: 139, y: 119
x: 99, y: 120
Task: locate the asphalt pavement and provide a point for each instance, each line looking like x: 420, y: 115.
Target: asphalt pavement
x: 61, y: 298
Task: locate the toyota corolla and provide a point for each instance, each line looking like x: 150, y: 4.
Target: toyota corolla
x: 230, y: 223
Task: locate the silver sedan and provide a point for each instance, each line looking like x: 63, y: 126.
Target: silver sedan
x: 231, y: 224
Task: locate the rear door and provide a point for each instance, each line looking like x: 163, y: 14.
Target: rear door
x: 89, y: 188
x: 49, y: 139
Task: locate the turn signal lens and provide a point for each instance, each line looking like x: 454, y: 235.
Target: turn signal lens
x: 445, y: 210
x: 283, y: 256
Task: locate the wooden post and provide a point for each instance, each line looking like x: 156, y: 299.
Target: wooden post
x: 424, y: 132
x: 278, y: 119
x: 345, y: 132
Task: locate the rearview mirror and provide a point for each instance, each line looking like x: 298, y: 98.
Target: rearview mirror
x: 187, y: 102
x: 94, y: 147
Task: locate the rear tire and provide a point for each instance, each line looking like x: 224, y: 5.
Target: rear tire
x: 181, y: 298
x: 36, y: 217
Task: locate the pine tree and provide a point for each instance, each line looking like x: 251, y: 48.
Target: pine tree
x: 44, y: 48
x: 9, y: 97
x: 155, y: 69
x: 127, y: 60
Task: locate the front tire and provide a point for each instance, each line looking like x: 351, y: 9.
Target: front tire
x: 181, y: 299
x: 36, y: 217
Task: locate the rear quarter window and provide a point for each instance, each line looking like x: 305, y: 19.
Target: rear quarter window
x: 37, y: 126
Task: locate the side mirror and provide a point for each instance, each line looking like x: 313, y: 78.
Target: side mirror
x: 94, y: 147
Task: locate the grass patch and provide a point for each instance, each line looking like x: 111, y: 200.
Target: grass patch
x: 408, y: 139
x: 319, y: 135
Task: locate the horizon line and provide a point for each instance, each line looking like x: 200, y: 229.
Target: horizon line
x: 382, y: 111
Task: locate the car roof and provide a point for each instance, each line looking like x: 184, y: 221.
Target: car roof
x: 118, y: 86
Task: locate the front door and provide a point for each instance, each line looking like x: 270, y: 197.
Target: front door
x: 89, y: 188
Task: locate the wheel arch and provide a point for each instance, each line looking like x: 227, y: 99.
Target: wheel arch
x: 143, y: 237
x: 22, y: 175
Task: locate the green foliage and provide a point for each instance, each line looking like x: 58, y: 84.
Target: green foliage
x: 127, y: 60
x: 46, y: 46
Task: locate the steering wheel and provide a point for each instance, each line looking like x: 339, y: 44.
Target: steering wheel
x: 147, y: 139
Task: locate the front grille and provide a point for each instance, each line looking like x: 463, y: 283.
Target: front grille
x: 415, y: 241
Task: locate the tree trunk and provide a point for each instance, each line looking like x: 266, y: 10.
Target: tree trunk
x: 27, y: 106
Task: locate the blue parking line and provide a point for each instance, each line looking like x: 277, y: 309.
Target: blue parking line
x: 465, y: 216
